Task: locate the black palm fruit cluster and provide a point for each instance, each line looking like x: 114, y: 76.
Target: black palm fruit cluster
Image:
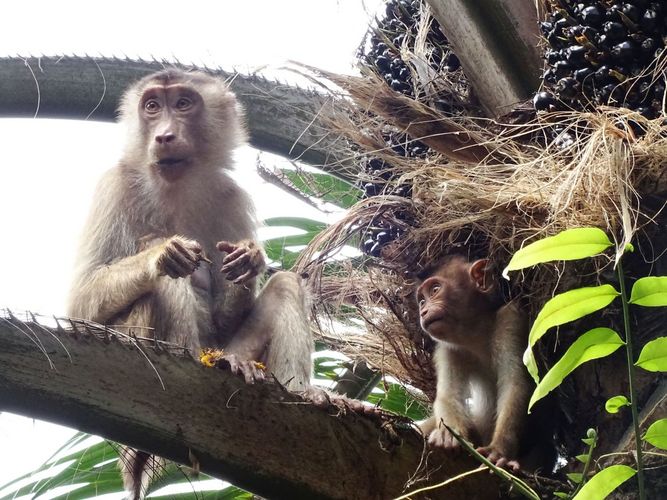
x: 398, y: 29
x: 382, y: 54
x: 380, y: 180
x: 599, y: 53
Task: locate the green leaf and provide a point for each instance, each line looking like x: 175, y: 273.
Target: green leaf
x: 653, y: 357
x: 593, y: 344
x: 588, y: 441
x: 604, y: 482
x: 308, y: 225
x: 397, y: 400
x: 325, y: 187
x: 560, y: 494
x: 650, y: 292
x: 325, y: 367
x: 563, y: 308
x: 613, y: 405
x: 571, y: 244
x: 656, y: 434
x: 277, y: 252
x: 575, y: 477
x: 583, y: 458
x: 292, y: 241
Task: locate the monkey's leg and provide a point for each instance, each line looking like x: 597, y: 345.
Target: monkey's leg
x: 277, y: 332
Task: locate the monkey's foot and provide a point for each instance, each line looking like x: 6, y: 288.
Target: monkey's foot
x: 244, y: 260
x: 325, y: 399
x: 252, y: 371
x: 497, y: 458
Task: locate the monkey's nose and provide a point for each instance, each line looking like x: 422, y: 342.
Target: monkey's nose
x: 165, y: 138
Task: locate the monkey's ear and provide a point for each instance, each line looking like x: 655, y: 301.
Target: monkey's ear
x: 479, y: 273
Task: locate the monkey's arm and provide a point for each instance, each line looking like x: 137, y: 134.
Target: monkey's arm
x: 106, y: 291
x: 449, y: 405
x: 513, y: 385
x: 233, y: 302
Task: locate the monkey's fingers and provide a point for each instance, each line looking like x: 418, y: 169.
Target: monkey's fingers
x: 244, y: 277
x: 179, y: 264
x: 172, y: 268
x: 514, y: 465
x: 501, y: 462
x: 240, y: 252
x: 238, y: 263
x: 226, y: 246
x: 191, y: 251
x: 233, y: 364
x: 252, y: 371
x: 498, y: 459
x: 442, y: 438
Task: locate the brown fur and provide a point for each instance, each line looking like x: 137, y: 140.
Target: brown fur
x: 482, y: 386
x: 149, y: 256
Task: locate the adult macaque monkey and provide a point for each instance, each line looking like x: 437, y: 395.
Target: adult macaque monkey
x: 170, y: 243
x: 483, y: 388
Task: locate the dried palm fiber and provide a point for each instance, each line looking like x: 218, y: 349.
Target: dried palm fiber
x: 485, y: 186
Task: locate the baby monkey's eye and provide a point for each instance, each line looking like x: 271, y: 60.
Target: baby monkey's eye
x: 421, y: 303
x: 435, y: 288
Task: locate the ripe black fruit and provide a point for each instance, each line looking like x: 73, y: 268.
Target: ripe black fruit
x: 602, y: 52
x: 624, y: 52
x: 592, y: 15
x: 544, y: 101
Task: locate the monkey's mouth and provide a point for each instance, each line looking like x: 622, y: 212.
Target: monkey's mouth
x: 427, y: 321
x: 170, y: 162
x: 171, y: 169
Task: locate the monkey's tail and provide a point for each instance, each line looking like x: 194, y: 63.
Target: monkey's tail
x: 139, y: 469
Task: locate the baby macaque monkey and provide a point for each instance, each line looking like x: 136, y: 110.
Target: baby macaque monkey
x: 483, y: 388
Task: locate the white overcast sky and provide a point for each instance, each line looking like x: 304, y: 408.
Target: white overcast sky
x: 49, y: 167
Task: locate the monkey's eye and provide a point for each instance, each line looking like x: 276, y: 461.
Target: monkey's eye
x: 421, y: 303
x: 183, y: 104
x: 435, y: 288
x: 152, y: 106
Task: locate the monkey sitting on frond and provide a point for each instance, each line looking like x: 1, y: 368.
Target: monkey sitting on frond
x: 170, y: 244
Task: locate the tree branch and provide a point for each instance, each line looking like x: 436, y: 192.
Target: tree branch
x: 261, y: 437
x: 497, y: 42
x: 282, y: 118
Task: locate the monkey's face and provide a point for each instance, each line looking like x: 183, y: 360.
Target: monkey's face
x: 180, y: 122
x: 450, y: 299
x: 171, y: 115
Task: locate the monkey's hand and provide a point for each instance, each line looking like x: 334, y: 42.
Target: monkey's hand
x: 498, y: 457
x: 177, y: 257
x: 244, y: 260
x: 442, y: 438
x: 252, y: 371
x: 325, y: 399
